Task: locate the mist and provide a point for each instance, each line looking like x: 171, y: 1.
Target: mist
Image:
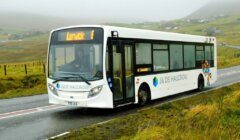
x: 106, y: 10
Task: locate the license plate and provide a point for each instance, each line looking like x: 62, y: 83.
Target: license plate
x: 72, y: 103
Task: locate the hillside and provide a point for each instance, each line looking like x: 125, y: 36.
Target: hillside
x: 33, y: 47
x: 33, y: 21
x: 29, y: 49
x: 226, y: 29
x: 217, y: 8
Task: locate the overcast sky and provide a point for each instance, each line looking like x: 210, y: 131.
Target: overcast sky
x: 134, y: 10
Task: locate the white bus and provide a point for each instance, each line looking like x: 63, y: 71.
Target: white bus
x: 95, y: 66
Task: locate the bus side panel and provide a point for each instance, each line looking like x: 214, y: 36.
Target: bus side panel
x: 162, y: 85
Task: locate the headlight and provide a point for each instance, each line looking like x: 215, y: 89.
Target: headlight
x: 94, y: 91
x: 53, y: 89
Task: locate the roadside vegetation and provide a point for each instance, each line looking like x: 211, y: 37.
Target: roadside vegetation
x: 18, y: 86
x: 211, y: 115
x: 22, y: 79
x: 228, y: 57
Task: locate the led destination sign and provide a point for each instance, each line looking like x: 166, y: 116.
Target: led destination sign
x: 76, y: 35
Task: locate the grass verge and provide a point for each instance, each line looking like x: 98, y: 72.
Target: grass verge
x: 228, y: 57
x: 20, y: 86
x: 211, y: 115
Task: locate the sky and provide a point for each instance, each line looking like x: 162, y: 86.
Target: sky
x: 123, y: 10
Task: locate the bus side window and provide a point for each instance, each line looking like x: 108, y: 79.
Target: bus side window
x: 160, y: 57
x: 143, y: 53
x: 199, y: 56
x: 208, y: 54
x: 176, y: 57
x: 189, y: 56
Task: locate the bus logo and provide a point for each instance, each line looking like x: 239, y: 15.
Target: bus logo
x: 155, y: 81
x: 58, y: 86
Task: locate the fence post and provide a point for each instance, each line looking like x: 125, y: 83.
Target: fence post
x: 25, y: 68
x: 5, y: 70
x: 44, y: 69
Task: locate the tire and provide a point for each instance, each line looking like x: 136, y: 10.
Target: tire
x: 200, y: 83
x: 143, y: 97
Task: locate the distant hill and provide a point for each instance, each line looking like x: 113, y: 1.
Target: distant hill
x: 225, y: 28
x: 217, y: 8
x: 33, y: 21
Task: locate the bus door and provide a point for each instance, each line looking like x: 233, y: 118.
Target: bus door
x: 122, y: 72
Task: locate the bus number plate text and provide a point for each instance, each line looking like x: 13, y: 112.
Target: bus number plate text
x: 72, y: 103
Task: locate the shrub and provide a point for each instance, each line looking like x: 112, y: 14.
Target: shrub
x: 26, y: 82
x: 33, y: 80
x: 2, y: 88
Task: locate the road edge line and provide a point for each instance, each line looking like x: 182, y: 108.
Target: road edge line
x: 59, y: 135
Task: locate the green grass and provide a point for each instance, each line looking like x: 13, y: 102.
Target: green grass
x: 229, y: 26
x: 30, y: 49
x: 211, y: 115
x: 228, y: 57
x: 19, y: 86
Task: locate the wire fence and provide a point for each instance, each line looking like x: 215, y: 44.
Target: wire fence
x: 36, y: 67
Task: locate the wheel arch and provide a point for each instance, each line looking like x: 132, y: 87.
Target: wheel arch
x: 201, y: 79
x: 145, y: 87
x: 200, y: 76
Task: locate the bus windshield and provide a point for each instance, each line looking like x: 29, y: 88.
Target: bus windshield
x: 75, y: 60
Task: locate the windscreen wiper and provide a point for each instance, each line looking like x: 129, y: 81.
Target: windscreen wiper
x: 60, y: 79
x: 98, y: 74
x: 84, y: 79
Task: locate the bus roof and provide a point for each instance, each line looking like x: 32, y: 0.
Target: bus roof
x: 148, y: 34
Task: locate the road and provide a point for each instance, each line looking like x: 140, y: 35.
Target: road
x: 236, y: 47
x: 33, y: 118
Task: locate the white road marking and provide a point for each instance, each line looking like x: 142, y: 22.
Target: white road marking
x: 60, y: 135
x: 104, y: 122
x: 29, y: 111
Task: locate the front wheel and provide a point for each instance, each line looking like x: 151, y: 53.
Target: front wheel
x: 142, y: 97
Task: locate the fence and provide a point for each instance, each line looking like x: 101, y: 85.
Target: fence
x: 36, y: 67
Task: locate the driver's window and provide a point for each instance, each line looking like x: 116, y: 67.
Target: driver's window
x: 60, y: 59
x: 69, y: 57
x: 64, y: 56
